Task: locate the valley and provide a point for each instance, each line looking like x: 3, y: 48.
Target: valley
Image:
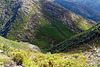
x: 40, y: 22
x: 48, y: 33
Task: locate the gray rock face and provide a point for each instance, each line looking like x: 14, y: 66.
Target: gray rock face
x: 1, y: 51
x: 35, y: 48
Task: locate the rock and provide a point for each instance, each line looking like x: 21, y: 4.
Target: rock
x: 35, y: 48
x: 18, y: 66
x: 1, y: 51
x: 99, y: 55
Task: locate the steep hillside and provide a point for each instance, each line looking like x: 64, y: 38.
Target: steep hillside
x: 18, y: 45
x: 80, y: 9
x: 40, y: 22
x: 93, y: 4
x: 91, y: 36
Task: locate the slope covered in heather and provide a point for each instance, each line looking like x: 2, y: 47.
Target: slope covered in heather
x: 18, y: 54
x: 40, y: 22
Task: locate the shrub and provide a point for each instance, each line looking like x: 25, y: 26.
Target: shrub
x: 28, y: 62
x: 18, y: 58
x: 22, y: 58
x: 76, y: 55
x: 80, y: 51
x: 3, y: 61
x: 83, y: 57
x: 6, y: 49
x: 1, y: 46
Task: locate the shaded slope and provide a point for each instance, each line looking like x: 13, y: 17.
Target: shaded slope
x: 92, y: 3
x: 90, y: 36
x: 80, y: 9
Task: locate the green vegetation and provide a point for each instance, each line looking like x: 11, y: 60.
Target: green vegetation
x: 5, y: 44
x: 78, y: 39
x: 45, y: 30
x: 83, y: 25
x: 31, y: 59
x: 3, y: 61
x: 38, y: 24
x: 25, y: 56
x: 47, y: 33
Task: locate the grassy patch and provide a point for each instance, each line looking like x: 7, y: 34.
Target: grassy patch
x: 83, y: 25
x: 47, y: 33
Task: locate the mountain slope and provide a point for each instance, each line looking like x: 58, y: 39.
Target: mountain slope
x: 40, y: 22
x: 91, y: 36
x: 80, y: 9
x: 91, y: 3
